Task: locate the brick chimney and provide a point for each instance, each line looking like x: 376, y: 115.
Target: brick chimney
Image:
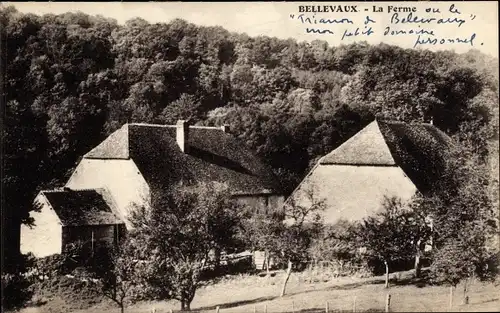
x: 182, y: 135
x: 225, y: 128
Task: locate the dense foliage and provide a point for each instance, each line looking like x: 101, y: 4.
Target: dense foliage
x: 16, y: 286
x: 394, y: 233
x: 337, y: 246
x: 466, y: 222
x: 72, y: 79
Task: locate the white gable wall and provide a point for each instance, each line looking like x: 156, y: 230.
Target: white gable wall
x: 121, y: 178
x: 353, y: 192
x: 45, y: 238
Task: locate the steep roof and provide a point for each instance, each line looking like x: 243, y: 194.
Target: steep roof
x: 213, y: 155
x: 367, y: 147
x: 82, y: 207
x: 419, y: 149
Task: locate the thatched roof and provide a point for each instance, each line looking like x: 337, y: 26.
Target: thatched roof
x: 384, y: 159
x: 213, y: 156
x: 82, y: 207
x: 418, y: 149
x: 367, y: 147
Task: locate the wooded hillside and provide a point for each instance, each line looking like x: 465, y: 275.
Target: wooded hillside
x: 72, y: 79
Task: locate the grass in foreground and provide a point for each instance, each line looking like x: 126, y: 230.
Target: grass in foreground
x: 247, y: 293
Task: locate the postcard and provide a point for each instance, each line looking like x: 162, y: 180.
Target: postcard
x: 250, y: 156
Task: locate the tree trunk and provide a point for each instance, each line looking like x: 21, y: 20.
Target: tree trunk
x: 386, y: 274
x: 122, y: 308
x: 190, y: 298
x: 288, y: 272
x: 418, y: 256
x: 466, y: 297
x: 217, y: 254
x: 417, y: 264
x: 267, y: 263
x: 183, y: 305
x: 451, y: 299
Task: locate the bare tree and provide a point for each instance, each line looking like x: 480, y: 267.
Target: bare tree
x: 114, y: 275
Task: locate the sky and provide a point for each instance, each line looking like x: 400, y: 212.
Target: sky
x: 479, y: 29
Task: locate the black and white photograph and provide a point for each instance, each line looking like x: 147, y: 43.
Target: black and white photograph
x: 224, y: 157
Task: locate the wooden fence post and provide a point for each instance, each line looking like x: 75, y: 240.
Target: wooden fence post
x: 388, y: 303
x: 293, y: 307
x: 171, y: 311
x: 326, y: 307
x: 265, y: 308
x: 254, y: 308
x: 354, y: 304
x: 451, y: 298
x: 217, y: 309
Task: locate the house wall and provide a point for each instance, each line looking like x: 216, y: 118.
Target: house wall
x: 45, y: 237
x: 263, y: 203
x: 121, y: 178
x: 353, y: 192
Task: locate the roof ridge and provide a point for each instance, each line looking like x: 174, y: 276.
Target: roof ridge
x: 55, y: 189
x: 360, y: 164
x: 87, y: 189
x: 173, y: 126
x: 205, y: 127
x: 405, y: 123
x: 149, y: 125
x: 386, y: 123
x: 50, y: 191
x: 68, y: 189
x: 127, y: 139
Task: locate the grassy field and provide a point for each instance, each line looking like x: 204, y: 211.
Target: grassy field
x: 248, y: 293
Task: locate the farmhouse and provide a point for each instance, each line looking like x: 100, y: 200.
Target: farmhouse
x: 383, y: 159
x: 67, y: 216
x: 138, y: 158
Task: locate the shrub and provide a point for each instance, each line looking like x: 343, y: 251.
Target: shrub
x: 75, y: 293
x: 16, y: 284
x: 16, y: 290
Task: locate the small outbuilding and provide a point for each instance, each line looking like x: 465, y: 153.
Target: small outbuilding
x: 66, y: 216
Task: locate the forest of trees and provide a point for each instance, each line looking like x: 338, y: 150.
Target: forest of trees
x: 70, y: 80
